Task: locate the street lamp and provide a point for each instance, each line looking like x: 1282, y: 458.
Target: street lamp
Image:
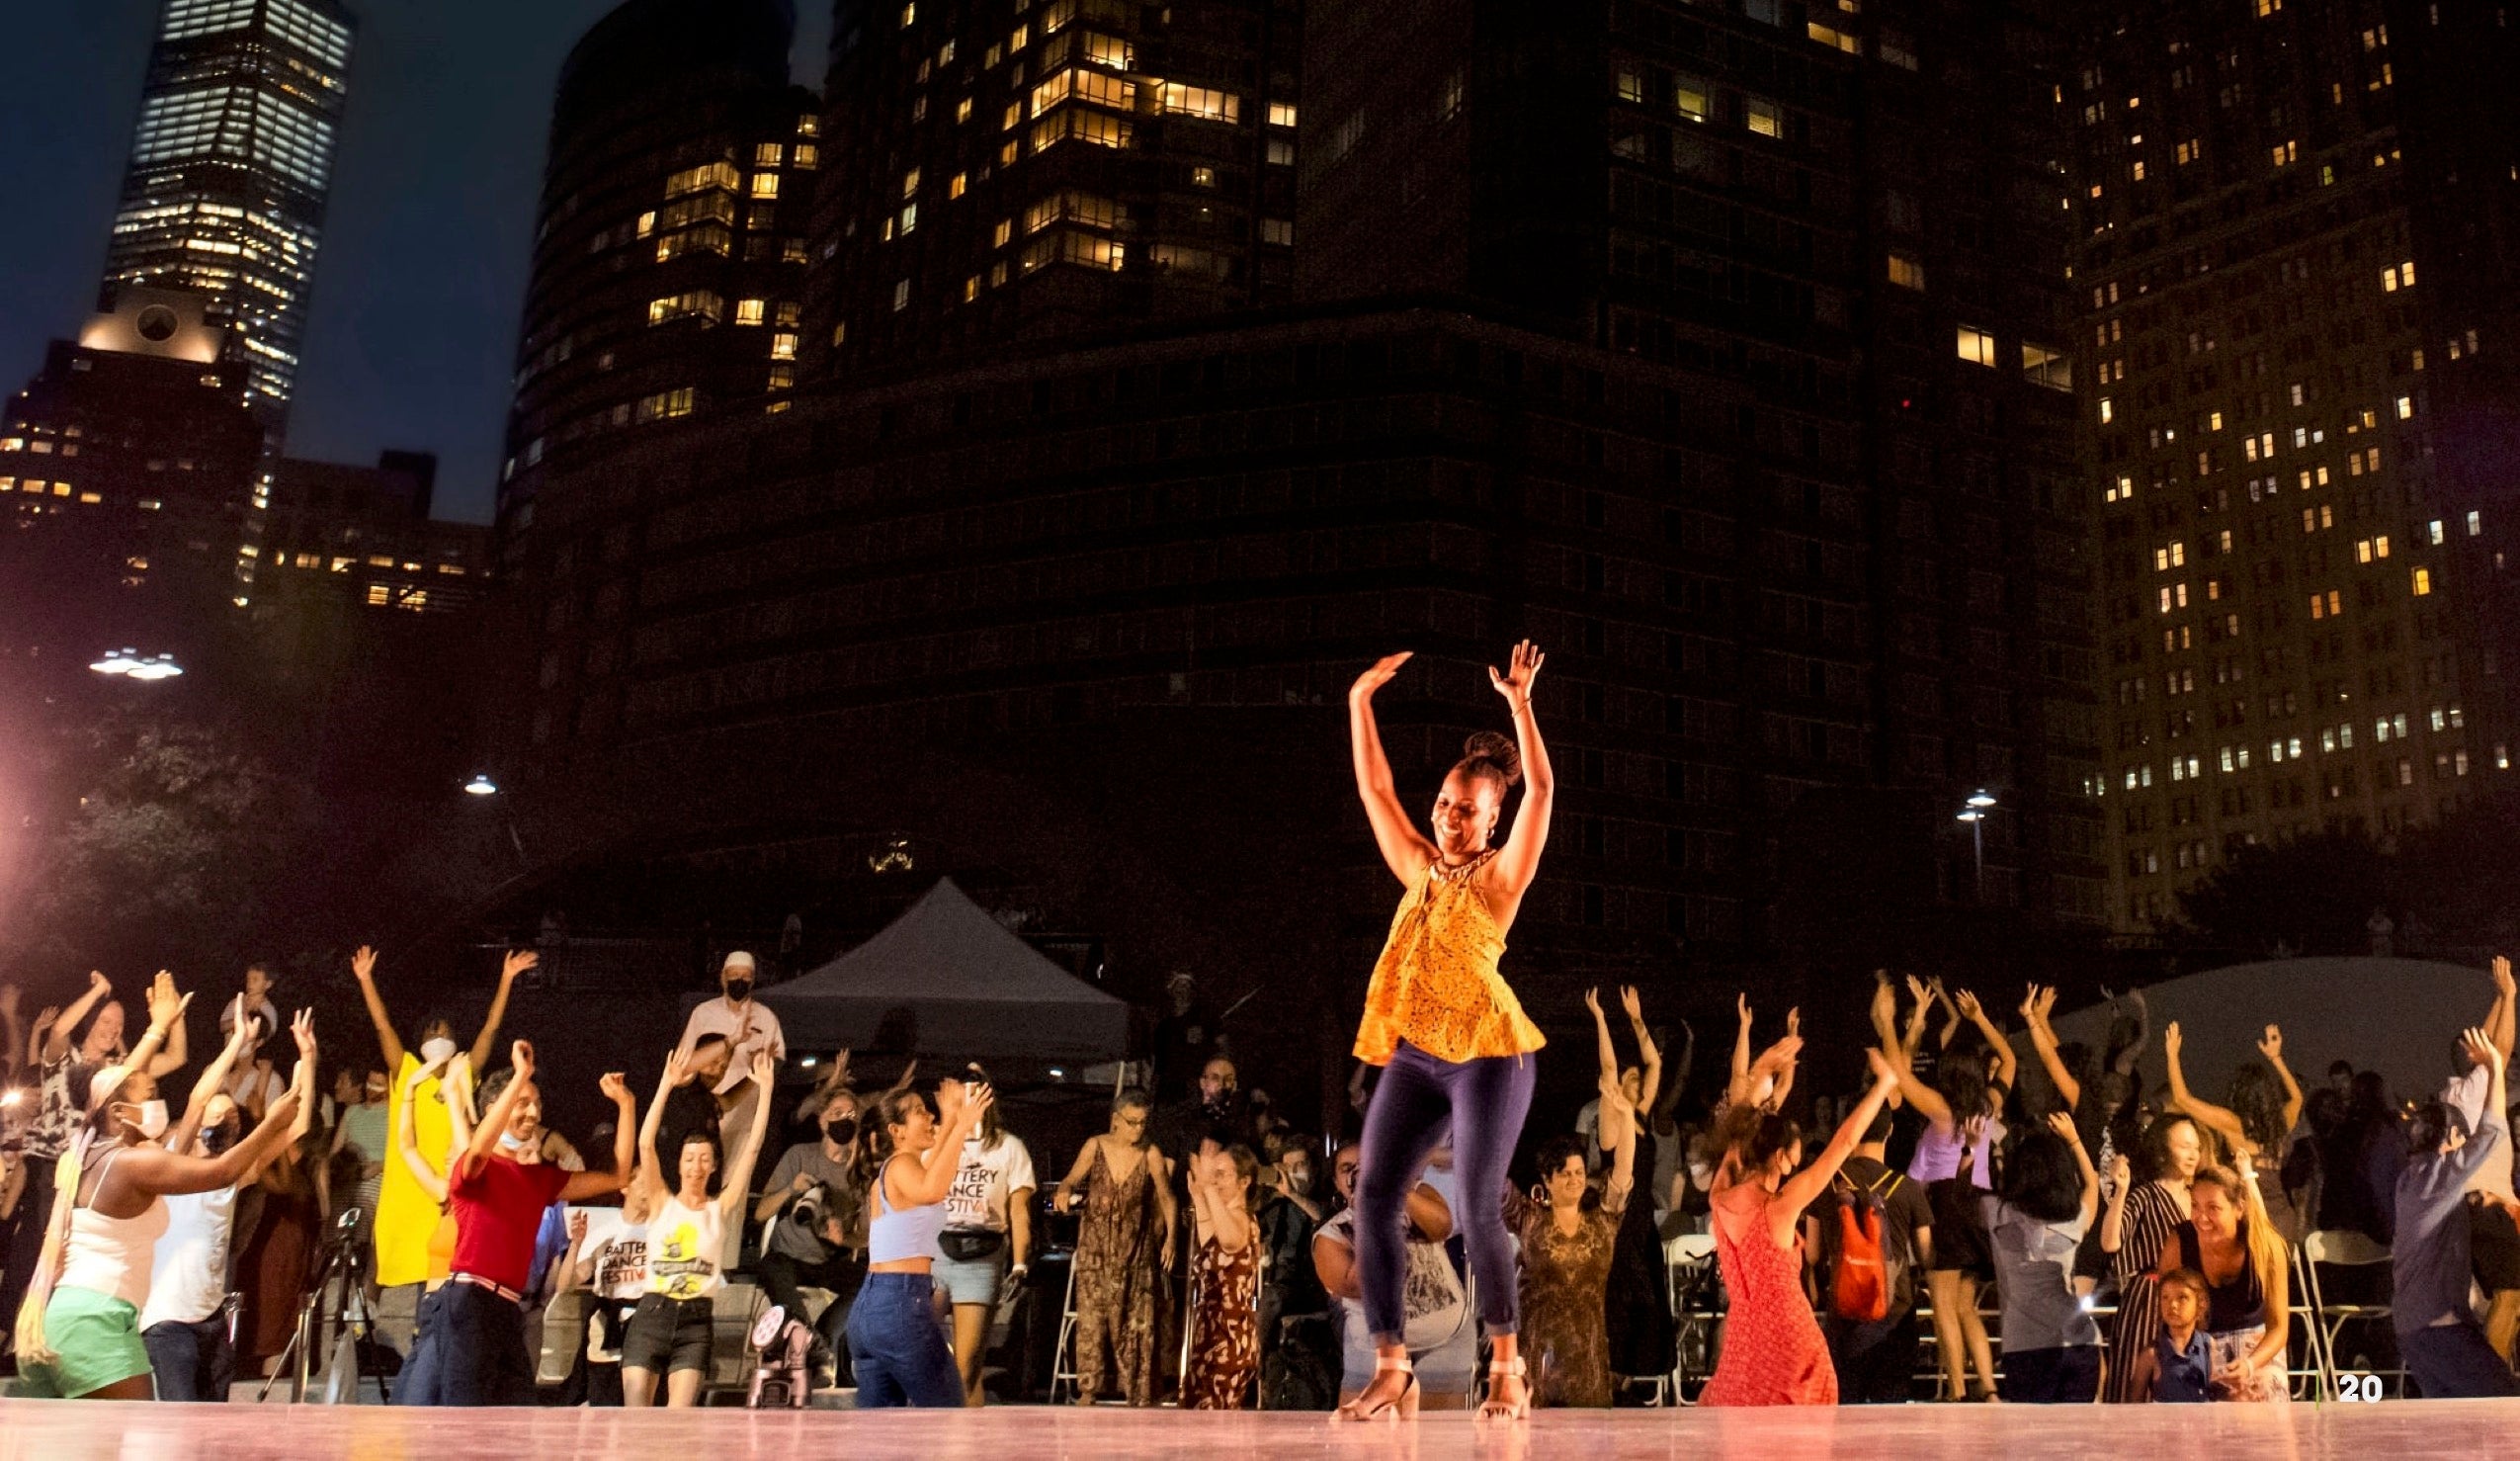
x: 129, y: 663
x: 1973, y: 812
x: 481, y: 785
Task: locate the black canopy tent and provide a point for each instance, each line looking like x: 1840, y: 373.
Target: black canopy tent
x: 945, y: 978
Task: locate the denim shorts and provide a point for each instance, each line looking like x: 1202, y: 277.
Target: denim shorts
x: 975, y: 1282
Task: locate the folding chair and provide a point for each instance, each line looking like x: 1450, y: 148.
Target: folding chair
x: 1697, y: 1322
x: 2335, y: 1248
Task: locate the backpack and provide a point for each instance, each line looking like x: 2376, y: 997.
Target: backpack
x: 1860, y: 1291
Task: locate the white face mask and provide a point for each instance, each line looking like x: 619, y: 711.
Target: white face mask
x: 431, y: 1052
x: 509, y: 1143
x: 152, y: 1119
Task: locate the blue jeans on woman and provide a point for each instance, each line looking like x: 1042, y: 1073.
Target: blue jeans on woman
x: 897, y: 1348
x: 1481, y: 1102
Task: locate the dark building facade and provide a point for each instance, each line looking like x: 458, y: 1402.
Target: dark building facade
x: 669, y: 269
x: 1854, y: 219
x: 364, y: 535
x: 2298, y: 252
x: 126, y: 473
x: 1020, y: 171
x: 231, y: 162
x: 1723, y: 356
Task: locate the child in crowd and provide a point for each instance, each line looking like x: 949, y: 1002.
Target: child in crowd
x: 2178, y: 1368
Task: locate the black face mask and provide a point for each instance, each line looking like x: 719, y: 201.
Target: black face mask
x: 217, y: 1138
x: 739, y: 990
x: 841, y: 1132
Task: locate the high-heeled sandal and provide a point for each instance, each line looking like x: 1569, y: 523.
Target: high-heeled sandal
x: 1493, y: 1408
x: 1397, y: 1406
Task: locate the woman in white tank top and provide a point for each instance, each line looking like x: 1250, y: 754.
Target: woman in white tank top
x: 78, y: 1332
x: 671, y: 1333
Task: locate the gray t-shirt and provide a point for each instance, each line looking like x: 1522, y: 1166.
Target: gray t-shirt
x: 2034, y: 1272
x: 793, y: 1238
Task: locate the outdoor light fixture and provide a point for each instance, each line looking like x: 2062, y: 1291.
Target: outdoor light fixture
x: 481, y: 786
x: 1058, y: 1073
x: 1973, y: 812
x: 129, y: 663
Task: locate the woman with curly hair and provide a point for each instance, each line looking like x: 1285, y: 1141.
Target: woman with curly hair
x: 1453, y: 1039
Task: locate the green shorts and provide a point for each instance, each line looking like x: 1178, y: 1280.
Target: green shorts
x: 97, y: 1337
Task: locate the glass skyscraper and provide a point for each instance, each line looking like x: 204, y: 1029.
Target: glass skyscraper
x: 230, y: 164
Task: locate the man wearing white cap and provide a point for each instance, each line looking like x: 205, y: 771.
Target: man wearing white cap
x: 748, y: 1028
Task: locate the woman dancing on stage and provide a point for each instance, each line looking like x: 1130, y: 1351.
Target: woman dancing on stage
x: 1439, y: 1017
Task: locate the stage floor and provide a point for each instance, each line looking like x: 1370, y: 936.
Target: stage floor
x: 64, y: 1430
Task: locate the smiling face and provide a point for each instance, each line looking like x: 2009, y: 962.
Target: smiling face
x: 1567, y: 1184
x: 1464, y: 816
x: 105, y: 1035
x: 2215, y: 1216
x: 524, y: 1118
x: 916, y: 1130
x: 699, y: 1163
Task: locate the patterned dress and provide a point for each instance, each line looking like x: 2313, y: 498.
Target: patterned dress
x: 1565, y: 1279
x: 1224, y: 1334
x: 1773, y: 1351
x: 2151, y: 1221
x: 1116, y: 1282
x: 1435, y: 984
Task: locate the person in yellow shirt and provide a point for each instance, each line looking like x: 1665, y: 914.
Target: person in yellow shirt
x: 1440, y: 1019
x: 407, y: 1215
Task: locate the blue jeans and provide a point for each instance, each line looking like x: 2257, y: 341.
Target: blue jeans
x: 898, y: 1348
x: 2452, y: 1361
x: 192, y: 1361
x: 1483, y: 1103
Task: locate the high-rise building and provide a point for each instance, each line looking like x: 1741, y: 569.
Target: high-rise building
x: 1732, y: 369
x: 1851, y: 216
x: 1022, y: 171
x: 231, y: 162
x: 669, y: 264
x: 364, y: 535
x: 2300, y: 227
x: 126, y: 471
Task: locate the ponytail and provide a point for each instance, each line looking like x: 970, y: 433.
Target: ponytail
x: 874, y: 1150
x: 32, y: 1348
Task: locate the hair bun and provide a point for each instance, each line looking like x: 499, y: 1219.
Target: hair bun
x: 1499, y: 751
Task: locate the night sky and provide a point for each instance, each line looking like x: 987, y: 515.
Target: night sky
x: 413, y: 328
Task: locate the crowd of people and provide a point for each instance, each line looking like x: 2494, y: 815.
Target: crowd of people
x: 2021, y: 1213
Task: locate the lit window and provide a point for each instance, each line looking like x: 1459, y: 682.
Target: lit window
x: 1762, y: 117
x: 1689, y: 98
x: 901, y: 296
x: 2423, y: 581
x: 769, y: 154
x: 2108, y: 410
x: 909, y: 15
x: 963, y: 110
x: 1005, y: 231
x: 751, y: 311
x: 1282, y: 114
x: 1202, y: 177
x: 1976, y: 346
x: 1906, y: 272
x: 809, y: 157
x: 954, y: 186
x: 1281, y: 152
x: 2041, y: 366
x: 2476, y: 524
x: 1276, y: 230
x: 970, y: 288
x: 782, y: 346
x: 1205, y: 103
x: 910, y: 183
x: 1830, y: 36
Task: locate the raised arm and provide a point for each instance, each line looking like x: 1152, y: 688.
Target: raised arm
x: 1405, y: 850
x: 2035, y: 1007
x: 1650, y: 1082
x: 485, y: 1137
x: 58, y: 1043
x: 388, y: 1044
x: 2001, y: 1049
x: 301, y: 1088
x: 739, y: 1174
x: 1902, y: 1061
x: 2205, y: 1114
x: 2124, y: 1061
x: 486, y: 1044
x: 2063, y: 1125
x: 177, y: 1046
x: 2272, y: 1047
x: 1607, y: 1054
x: 2112, y: 1222
x: 1676, y: 1081
x: 933, y: 1172
x: 1518, y: 862
x: 1804, y: 1189
x: 214, y: 1077
x: 582, y: 1185
x: 650, y: 1169
x: 1622, y: 1160
x: 13, y: 1034
x: 406, y: 1128
x: 159, y: 1171
x: 2504, y: 1015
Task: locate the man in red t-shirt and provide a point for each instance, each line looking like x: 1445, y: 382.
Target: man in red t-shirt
x: 497, y: 1191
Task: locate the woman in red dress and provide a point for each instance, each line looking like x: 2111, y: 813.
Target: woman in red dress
x: 1773, y: 1352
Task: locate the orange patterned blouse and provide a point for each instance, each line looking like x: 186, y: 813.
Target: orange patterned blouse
x: 1435, y: 984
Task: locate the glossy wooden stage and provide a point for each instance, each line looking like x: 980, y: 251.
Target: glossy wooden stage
x: 59, y: 1430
